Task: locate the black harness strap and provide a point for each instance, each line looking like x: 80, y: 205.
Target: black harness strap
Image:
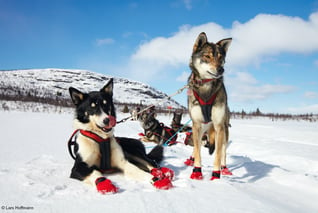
x: 71, y: 143
x: 104, y: 147
x: 206, y: 106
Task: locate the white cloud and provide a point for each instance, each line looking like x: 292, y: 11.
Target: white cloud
x: 161, y: 52
x: 254, y: 42
x: 264, y: 35
x: 311, y: 95
x: 304, y: 109
x: 243, y: 87
x: 187, y: 4
x: 245, y: 78
x: 267, y: 35
x: 104, y: 41
x: 183, y: 77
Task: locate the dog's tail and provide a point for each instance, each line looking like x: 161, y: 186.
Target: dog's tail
x: 210, y: 144
x: 156, y: 154
x: 211, y: 147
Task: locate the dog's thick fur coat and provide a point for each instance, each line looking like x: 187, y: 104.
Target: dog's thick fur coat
x: 95, y: 113
x: 207, y: 101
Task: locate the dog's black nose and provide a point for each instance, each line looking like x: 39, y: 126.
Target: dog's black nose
x: 106, y: 121
x: 220, y: 70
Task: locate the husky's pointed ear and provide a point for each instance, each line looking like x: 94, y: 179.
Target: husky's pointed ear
x: 201, y: 40
x: 225, y: 43
x: 76, y: 95
x: 108, y: 88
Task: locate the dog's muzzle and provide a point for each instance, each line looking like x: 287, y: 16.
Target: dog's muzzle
x: 215, y: 76
x: 220, y: 71
x: 109, y: 123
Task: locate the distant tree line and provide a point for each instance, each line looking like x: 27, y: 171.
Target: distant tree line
x: 274, y: 116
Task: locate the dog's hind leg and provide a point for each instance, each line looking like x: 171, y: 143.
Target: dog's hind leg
x: 219, y: 149
x: 223, y: 158
x: 197, y: 133
x: 133, y: 172
x: 224, y: 169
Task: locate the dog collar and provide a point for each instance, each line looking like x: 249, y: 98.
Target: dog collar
x: 203, y: 81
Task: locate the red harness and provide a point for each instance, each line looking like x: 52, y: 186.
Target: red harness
x: 206, y: 106
x: 92, y: 136
x: 201, y: 101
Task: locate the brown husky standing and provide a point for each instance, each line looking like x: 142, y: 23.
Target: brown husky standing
x: 207, y: 103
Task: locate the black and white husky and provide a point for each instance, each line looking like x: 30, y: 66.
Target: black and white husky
x: 98, y: 151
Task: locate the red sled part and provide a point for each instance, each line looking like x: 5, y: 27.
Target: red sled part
x: 141, y: 134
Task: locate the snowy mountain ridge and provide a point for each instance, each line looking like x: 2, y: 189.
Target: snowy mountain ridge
x: 51, y: 86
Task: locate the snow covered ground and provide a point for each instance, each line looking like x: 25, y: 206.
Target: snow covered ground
x: 275, y: 166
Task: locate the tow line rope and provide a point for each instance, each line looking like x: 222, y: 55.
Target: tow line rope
x: 158, y: 102
x: 166, y: 143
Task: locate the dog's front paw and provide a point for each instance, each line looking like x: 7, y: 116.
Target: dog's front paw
x: 215, y: 175
x: 163, y: 184
x: 196, y: 174
x: 105, y: 186
x: 168, y: 173
x: 162, y: 173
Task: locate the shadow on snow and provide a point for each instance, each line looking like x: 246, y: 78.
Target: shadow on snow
x: 255, y: 170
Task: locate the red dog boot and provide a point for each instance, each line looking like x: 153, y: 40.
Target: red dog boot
x: 163, y: 184
x: 196, y: 174
x: 167, y: 173
x: 105, y: 186
x: 162, y: 173
x: 225, y: 171
x: 215, y: 175
x: 157, y: 173
x: 189, y: 161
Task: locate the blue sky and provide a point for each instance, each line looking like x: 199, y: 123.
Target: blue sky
x: 272, y: 63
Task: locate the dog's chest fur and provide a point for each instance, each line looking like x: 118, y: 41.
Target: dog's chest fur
x: 88, y: 150
x: 205, y: 92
